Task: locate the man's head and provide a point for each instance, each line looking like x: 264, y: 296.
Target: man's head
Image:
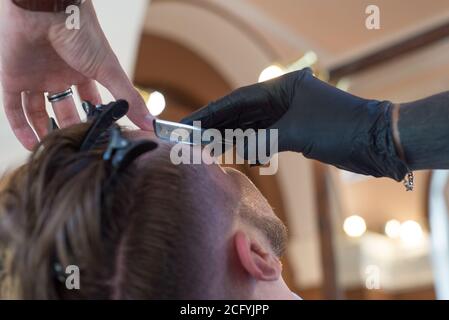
x: 159, y: 231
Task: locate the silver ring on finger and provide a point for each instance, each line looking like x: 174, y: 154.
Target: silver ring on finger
x: 59, y: 96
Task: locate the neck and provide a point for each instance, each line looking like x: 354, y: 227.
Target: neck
x: 273, y: 290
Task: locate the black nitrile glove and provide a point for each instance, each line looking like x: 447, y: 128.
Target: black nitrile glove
x: 314, y: 118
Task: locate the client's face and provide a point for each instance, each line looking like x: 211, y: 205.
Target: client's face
x: 254, y: 210
x: 257, y: 237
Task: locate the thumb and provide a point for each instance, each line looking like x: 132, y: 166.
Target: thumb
x: 202, y: 115
x: 285, y: 137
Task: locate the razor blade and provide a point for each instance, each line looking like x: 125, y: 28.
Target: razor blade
x: 185, y: 134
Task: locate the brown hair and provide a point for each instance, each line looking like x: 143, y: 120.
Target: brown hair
x: 151, y: 241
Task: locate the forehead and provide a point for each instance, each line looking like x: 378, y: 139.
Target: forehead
x: 229, y: 179
x: 140, y: 134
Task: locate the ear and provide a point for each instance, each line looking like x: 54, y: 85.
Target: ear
x: 260, y: 263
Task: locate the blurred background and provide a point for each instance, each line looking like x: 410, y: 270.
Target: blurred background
x: 351, y: 237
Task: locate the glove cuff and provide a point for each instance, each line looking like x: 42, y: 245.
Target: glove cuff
x: 374, y: 152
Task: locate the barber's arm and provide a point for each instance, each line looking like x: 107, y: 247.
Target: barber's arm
x: 39, y: 54
x: 335, y: 127
x: 424, y: 132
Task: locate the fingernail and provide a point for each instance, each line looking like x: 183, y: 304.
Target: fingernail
x: 149, y: 122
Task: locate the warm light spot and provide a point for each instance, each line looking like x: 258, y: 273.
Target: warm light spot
x: 344, y: 84
x: 271, y: 72
x: 354, y: 226
x: 411, y: 233
x: 156, y: 103
x: 393, y: 229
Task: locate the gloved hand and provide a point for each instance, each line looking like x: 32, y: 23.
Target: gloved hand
x: 314, y: 118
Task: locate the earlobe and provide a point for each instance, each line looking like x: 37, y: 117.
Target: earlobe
x: 260, y: 263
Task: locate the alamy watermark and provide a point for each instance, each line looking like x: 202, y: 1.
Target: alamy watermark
x: 256, y: 147
x: 73, y: 20
x: 372, y: 277
x: 372, y: 21
x: 70, y: 276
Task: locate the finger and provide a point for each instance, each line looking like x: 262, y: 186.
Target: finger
x: 88, y: 91
x: 118, y: 83
x: 17, y: 120
x: 34, y: 105
x: 284, y: 140
x: 65, y: 111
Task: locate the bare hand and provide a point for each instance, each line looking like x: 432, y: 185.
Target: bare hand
x: 39, y: 54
